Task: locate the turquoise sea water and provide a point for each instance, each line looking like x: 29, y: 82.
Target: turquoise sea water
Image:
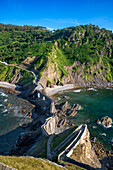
x: 96, y: 103
x: 10, y: 118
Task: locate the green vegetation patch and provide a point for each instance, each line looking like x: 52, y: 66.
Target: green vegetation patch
x: 8, y: 73
x: 26, y: 163
x: 60, y: 137
x: 85, y: 43
x: 41, y: 148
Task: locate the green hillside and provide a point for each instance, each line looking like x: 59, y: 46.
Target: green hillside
x: 85, y: 47
x: 26, y: 163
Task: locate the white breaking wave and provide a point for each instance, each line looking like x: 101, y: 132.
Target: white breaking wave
x: 59, y: 98
x: 77, y: 91
x: 5, y: 100
x: 92, y: 89
x: 3, y: 94
x: 103, y: 134
x: 5, y: 110
x: 109, y: 88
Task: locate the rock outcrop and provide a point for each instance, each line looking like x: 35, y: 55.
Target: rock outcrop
x: 84, y: 152
x: 5, y: 167
x: 106, y: 121
x: 65, y: 109
x: 24, y: 142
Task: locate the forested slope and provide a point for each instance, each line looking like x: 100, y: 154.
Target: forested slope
x: 82, y: 53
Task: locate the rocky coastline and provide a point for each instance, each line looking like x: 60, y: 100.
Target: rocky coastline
x: 42, y: 106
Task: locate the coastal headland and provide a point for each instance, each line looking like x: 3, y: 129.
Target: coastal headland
x: 44, y: 65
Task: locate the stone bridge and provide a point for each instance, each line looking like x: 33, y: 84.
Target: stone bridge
x: 82, y: 136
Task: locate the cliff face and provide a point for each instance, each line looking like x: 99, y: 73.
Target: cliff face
x: 82, y: 77
x: 50, y: 75
x: 84, y: 152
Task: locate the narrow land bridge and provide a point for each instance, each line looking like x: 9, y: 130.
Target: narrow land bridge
x: 81, y: 133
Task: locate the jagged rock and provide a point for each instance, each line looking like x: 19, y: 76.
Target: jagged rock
x: 106, y: 121
x: 63, y: 106
x: 23, y: 111
x: 61, y: 113
x: 62, y: 122
x: 53, y: 109
x: 76, y: 107
x: 84, y: 152
x: 27, y: 138
x: 93, y: 139
x: 72, y: 113
x: 9, y: 105
x: 64, y: 109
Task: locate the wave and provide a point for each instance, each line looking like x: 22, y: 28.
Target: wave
x: 5, y: 115
x: 103, y: 134
x: 92, y: 89
x: 77, y: 91
x: 3, y: 94
x: 59, y: 98
x: 5, y: 100
x: 5, y: 111
x: 1, y: 104
x: 109, y: 88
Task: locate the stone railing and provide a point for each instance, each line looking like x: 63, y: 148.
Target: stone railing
x: 75, y: 142
x: 65, y: 155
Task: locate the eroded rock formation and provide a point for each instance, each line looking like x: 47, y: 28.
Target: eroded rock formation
x: 106, y: 121
x: 84, y: 152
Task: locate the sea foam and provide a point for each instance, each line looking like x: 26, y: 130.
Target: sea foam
x: 5, y: 100
x: 3, y: 94
x: 92, y: 89
x: 77, y: 91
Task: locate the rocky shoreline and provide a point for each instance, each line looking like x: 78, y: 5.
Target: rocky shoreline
x: 42, y: 106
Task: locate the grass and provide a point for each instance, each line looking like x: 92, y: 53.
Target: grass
x: 8, y: 72
x: 41, y: 148
x: 63, y: 148
x: 25, y: 163
x: 71, y: 166
x: 77, y: 153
